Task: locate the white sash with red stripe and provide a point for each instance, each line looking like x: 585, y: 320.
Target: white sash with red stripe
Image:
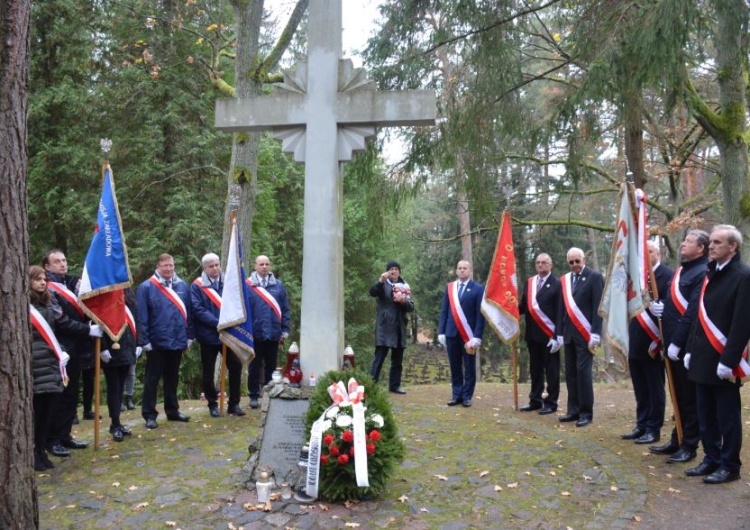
x: 70, y: 296
x: 171, y: 296
x: 679, y: 301
x: 717, y: 339
x: 210, y: 292
x: 131, y: 322
x: 267, y: 298
x: 578, y: 319
x: 42, y: 326
x: 535, y: 311
x: 651, y: 329
x: 458, y: 313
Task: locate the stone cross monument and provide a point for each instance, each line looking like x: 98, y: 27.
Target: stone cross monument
x: 324, y: 111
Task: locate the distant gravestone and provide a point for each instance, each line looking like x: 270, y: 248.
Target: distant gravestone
x: 283, y: 436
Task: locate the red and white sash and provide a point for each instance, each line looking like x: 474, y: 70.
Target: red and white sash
x: 678, y: 300
x: 210, y: 292
x: 717, y: 339
x: 171, y: 296
x: 651, y: 329
x: 535, y: 311
x: 580, y: 322
x: 42, y: 326
x: 62, y: 290
x: 267, y: 297
x: 131, y: 322
x: 458, y: 313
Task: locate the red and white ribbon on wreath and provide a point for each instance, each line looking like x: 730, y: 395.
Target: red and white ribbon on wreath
x: 339, y: 393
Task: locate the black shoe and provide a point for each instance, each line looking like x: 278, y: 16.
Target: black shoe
x: 453, y: 402
x: 701, y: 470
x: 126, y: 431
x: 74, y: 444
x: 399, y: 390
x: 254, y: 403
x: 529, y: 408
x: 721, y: 476
x: 648, y: 438
x: 685, y: 454
x: 235, y: 411
x: 129, y: 403
x: 466, y: 403
x: 76, y: 421
x: 583, y: 422
x: 547, y: 410
x: 178, y: 417
x: 45, y: 460
x: 89, y: 415
x: 151, y: 424
x: 667, y: 449
x: 568, y: 417
x: 634, y: 434
x: 117, y: 435
x: 58, y: 450
x: 38, y: 463
x: 214, y: 410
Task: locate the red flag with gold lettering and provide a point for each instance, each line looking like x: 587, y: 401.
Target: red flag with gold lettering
x: 500, y: 301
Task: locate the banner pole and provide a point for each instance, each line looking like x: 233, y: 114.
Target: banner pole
x: 97, y: 388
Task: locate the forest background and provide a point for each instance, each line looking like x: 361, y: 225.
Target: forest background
x: 544, y: 107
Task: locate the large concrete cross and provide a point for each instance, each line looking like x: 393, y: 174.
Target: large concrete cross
x: 324, y: 112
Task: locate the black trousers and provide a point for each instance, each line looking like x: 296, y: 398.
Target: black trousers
x: 115, y: 377
x: 397, y: 368
x: 209, y: 352
x: 45, y: 409
x: 578, y: 365
x: 720, y: 422
x: 262, y: 366
x: 161, y: 364
x: 648, y: 377
x: 87, y: 380
x: 463, y: 369
x: 62, y: 423
x: 687, y: 405
x: 543, y: 365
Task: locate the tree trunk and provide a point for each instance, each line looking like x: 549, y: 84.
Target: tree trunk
x: 18, y: 501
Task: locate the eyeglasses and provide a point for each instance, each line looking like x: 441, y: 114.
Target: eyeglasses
x: 542, y: 262
x: 573, y: 261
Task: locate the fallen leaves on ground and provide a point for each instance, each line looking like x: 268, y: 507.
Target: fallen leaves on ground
x: 441, y: 477
x: 484, y: 473
x: 403, y: 498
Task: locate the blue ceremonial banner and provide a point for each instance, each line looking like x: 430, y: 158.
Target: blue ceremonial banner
x: 235, y: 321
x: 106, y: 272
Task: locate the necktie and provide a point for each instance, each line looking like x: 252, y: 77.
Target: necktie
x: 264, y: 283
x: 539, y: 283
x: 460, y: 289
x: 168, y: 284
x: 576, y: 277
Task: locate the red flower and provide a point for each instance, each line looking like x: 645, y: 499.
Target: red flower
x: 328, y: 439
x: 370, y: 449
x: 374, y: 435
x: 343, y: 459
x: 334, y: 450
x: 351, y: 451
x: 323, y: 459
x: 347, y: 436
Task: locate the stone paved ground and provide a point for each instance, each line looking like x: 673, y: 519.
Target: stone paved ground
x: 482, y: 467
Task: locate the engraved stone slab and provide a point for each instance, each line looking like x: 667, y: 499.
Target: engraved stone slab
x: 283, y: 437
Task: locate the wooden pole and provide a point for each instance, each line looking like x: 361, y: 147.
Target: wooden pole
x: 223, y: 377
x: 515, y: 374
x: 97, y: 388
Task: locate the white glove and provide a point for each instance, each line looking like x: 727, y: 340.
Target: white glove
x: 148, y: 347
x: 656, y: 308
x: 138, y: 351
x: 724, y: 372
x: 686, y: 361
x: 441, y: 340
x: 474, y: 343
x: 285, y: 335
x: 64, y: 358
x: 638, y: 194
x: 673, y: 352
x: 594, y: 341
x: 95, y: 331
x: 190, y: 341
x: 105, y: 356
x: 554, y: 345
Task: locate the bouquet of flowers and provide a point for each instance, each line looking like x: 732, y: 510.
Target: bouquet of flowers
x: 403, y: 289
x: 380, y: 452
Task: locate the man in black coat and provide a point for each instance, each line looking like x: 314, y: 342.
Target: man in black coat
x: 680, y: 310
x: 646, y: 366
x: 393, y: 304
x: 717, y: 356
x: 580, y: 332
x: 539, y: 301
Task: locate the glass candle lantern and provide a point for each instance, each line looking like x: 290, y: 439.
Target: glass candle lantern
x: 263, y: 487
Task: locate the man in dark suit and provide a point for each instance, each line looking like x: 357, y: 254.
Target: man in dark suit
x: 646, y: 366
x: 539, y: 301
x: 460, y: 330
x: 717, y: 356
x: 580, y: 332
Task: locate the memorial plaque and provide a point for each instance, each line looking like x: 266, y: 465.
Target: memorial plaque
x: 284, y: 435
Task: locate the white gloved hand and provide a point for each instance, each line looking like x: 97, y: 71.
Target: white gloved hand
x: 285, y: 335
x: 64, y: 358
x: 148, y: 347
x: 594, y: 341
x: 554, y: 348
x: 441, y: 340
x: 190, y: 341
x: 475, y: 342
x: 724, y: 372
x: 105, y: 356
x: 656, y: 308
x: 686, y: 361
x: 138, y: 351
x: 95, y: 331
x: 638, y: 194
x: 673, y: 352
